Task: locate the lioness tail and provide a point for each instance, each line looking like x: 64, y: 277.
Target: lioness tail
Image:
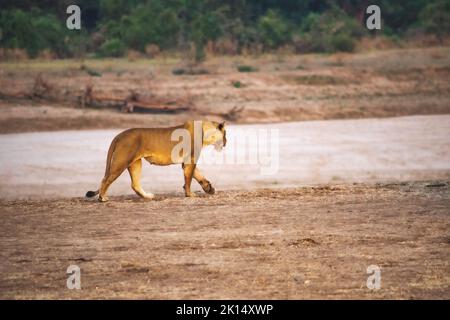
x: 111, y: 149
x: 90, y: 194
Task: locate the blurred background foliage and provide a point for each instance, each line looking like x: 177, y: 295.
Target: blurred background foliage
x: 113, y: 28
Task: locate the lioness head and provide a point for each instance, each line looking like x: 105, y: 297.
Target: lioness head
x: 214, y: 133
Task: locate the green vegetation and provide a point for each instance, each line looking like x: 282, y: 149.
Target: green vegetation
x: 112, y: 48
x: 318, y: 80
x: 330, y: 31
x: 237, y: 84
x: 90, y: 71
x: 112, y: 27
x: 245, y: 68
x: 273, y: 29
x: 190, y: 71
x: 435, y: 18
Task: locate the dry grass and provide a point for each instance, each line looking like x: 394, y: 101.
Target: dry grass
x: 318, y: 80
x: 285, y: 88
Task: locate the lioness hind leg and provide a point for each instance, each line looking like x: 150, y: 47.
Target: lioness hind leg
x: 106, y: 182
x: 205, y: 184
x: 115, y: 171
x: 135, y: 170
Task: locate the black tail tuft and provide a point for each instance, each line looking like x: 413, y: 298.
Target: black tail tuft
x: 90, y: 194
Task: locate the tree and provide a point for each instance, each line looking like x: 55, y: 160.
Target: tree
x: 435, y: 18
x: 273, y: 29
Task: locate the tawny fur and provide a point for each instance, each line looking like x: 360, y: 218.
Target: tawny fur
x: 155, y: 145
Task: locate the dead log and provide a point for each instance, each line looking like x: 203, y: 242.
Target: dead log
x: 174, y: 106
x: 234, y: 114
x: 134, y: 102
x: 88, y: 97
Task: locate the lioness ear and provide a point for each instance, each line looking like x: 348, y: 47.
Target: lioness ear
x: 221, y: 125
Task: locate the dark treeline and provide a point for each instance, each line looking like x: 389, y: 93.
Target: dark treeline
x: 112, y: 27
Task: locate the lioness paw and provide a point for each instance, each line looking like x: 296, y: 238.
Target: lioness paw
x: 103, y: 199
x: 190, y: 195
x: 148, y: 196
x: 207, y: 187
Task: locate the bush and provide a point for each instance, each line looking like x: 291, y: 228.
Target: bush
x: 330, y: 31
x: 190, y: 71
x: 33, y: 31
x: 343, y: 42
x: 245, y: 68
x: 318, y: 80
x: 78, y: 44
x: 399, y: 15
x: 435, y: 18
x: 273, y: 30
x: 90, y: 71
x: 112, y: 48
x: 146, y: 23
x: 246, y: 37
x: 178, y: 71
x: 237, y: 84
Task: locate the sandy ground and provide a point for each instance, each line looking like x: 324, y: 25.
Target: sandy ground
x: 267, y: 240
x: 68, y: 163
x: 312, y: 242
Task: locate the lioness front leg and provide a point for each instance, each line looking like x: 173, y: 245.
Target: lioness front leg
x: 205, y: 184
x: 188, y: 170
x: 135, y: 170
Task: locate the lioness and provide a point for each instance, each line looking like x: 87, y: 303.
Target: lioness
x: 161, y: 146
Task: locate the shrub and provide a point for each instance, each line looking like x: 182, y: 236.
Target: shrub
x: 273, y: 30
x: 319, y: 80
x: 237, y: 84
x: 90, y: 71
x: 112, y: 48
x: 330, y: 31
x: 146, y: 23
x: 32, y: 30
x: 435, y: 18
x: 178, y: 71
x: 343, y: 42
x: 246, y: 37
x: 246, y: 68
x: 190, y: 71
